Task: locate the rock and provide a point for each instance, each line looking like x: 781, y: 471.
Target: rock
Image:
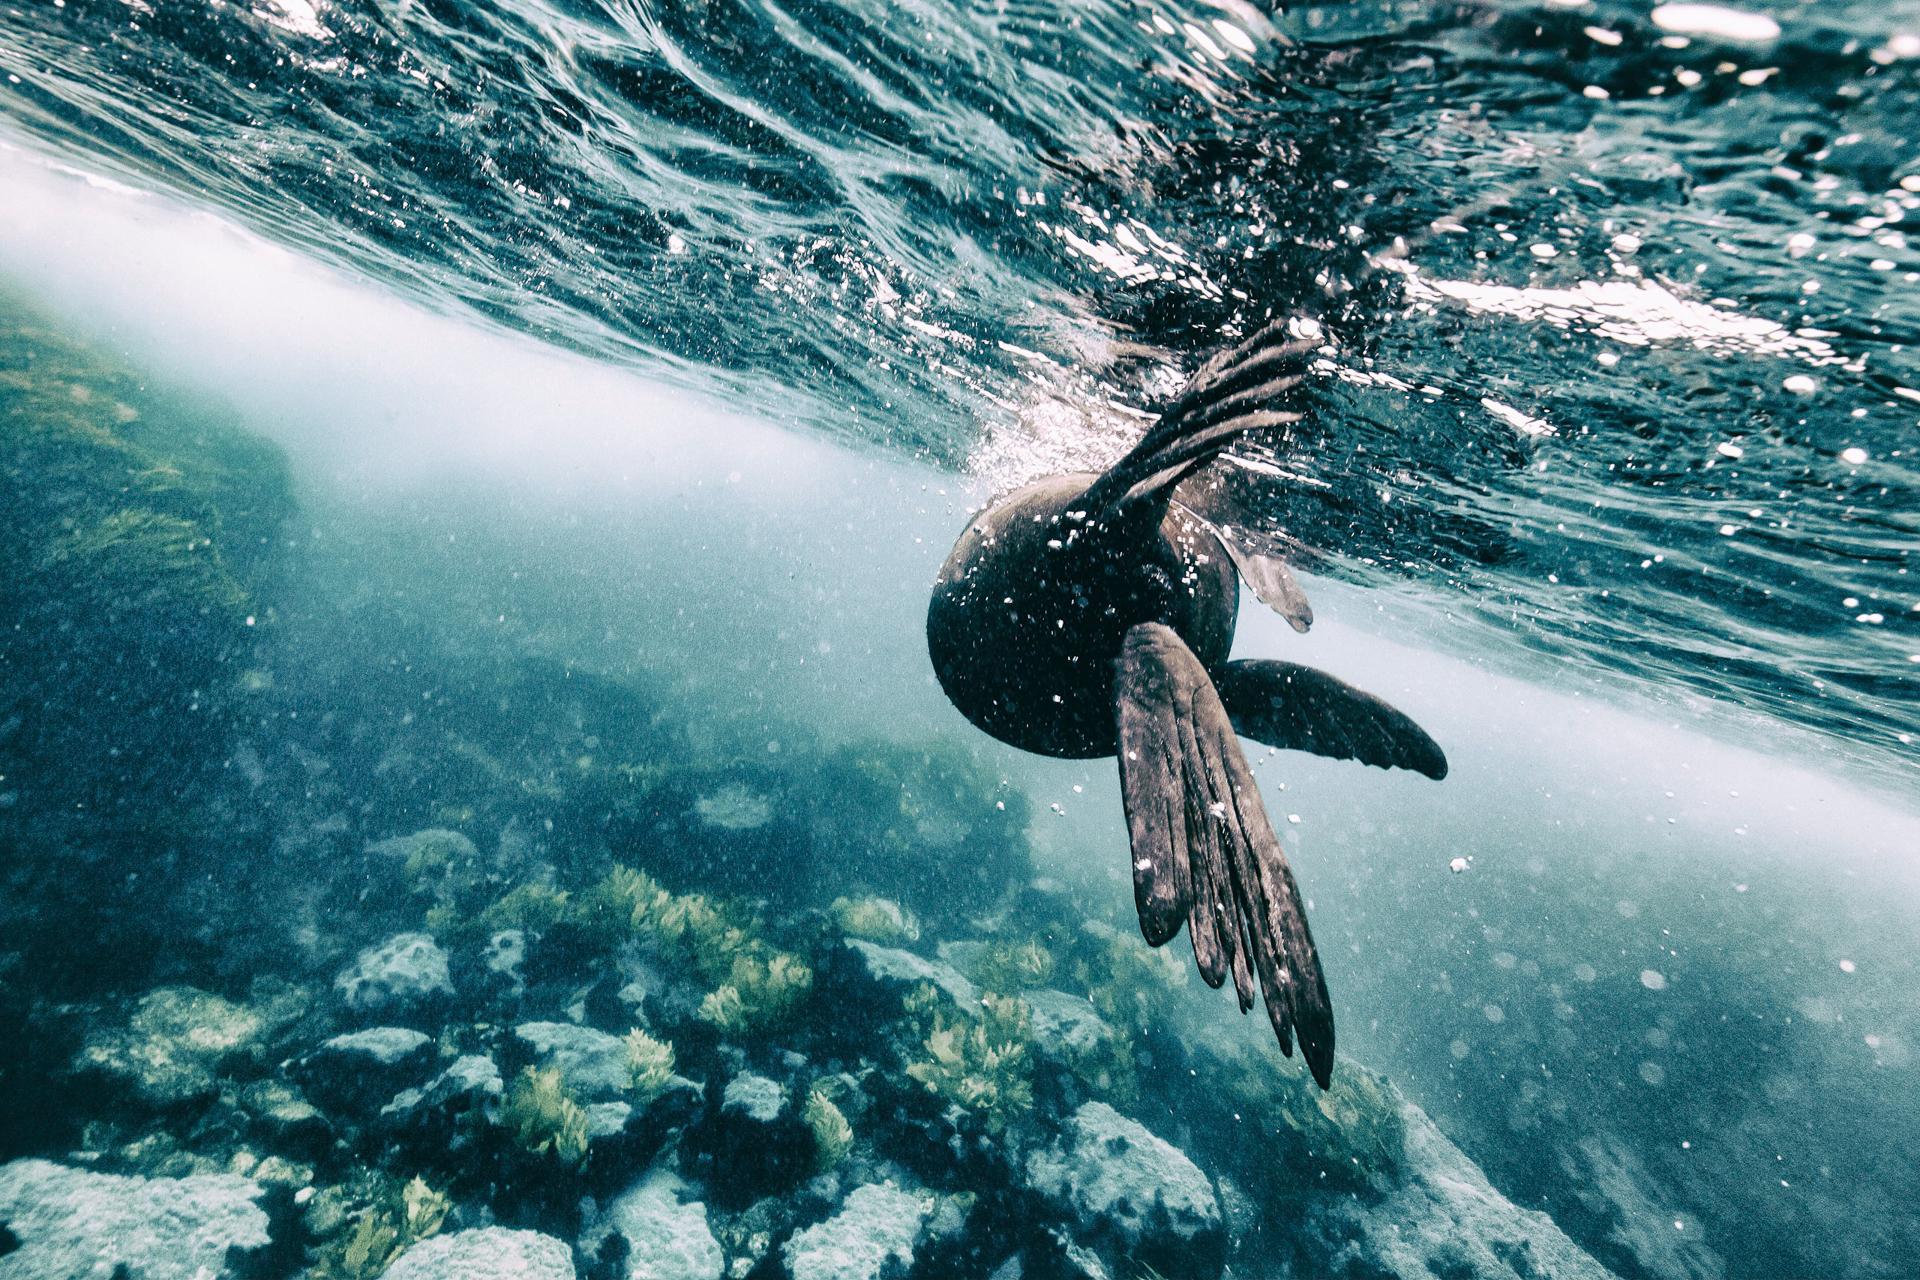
x: 489, y: 1253
x: 677, y: 1105
x: 407, y: 972
x: 427, y: 854
x: 654, y: 996
x: 360, y: 1071
x: 593, y: 1063
x: 173, y: 1047
x: 1129, y: 1195
x: 284, y: 1116
x: 1641, y: 1216
x: 1442, y: 1221
x: 505, y: 959
x: 606, y: 1119
x: 666, y: 1239
x: 753, y: 1098
x: 464, y: 1095
x: 874, y: 975
x: 871, y: 1237
x: 73, y: 1223
x: 754, y: 1141
x: 1067, y: 1026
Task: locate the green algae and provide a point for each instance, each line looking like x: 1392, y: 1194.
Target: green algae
x: 982, y: 1062
x: 650, y: 1064
x: 832, y: 1133
x: 544, y: 1117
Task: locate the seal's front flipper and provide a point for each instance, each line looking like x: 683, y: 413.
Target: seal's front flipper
x: 1273, y: 584
x: 1203, y: 850
x: 1298, y: 708
x: 1265, y: 574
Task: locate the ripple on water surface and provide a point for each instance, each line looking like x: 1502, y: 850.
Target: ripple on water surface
x: 1628, y: 371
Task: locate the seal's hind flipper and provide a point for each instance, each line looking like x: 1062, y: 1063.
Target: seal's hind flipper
x: 1203, y: 850
x: 1298, y: 708
x: 1239, y: 390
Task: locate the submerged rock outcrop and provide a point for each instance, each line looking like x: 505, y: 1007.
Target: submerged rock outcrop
x: 67, y: 1222
x: 1129, y: 1195
x: 491, y: 1253
x: 1442, y: 1220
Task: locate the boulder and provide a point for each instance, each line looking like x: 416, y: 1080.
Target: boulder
x: 872, y: 1237
x: 754, y: 1141
x: 489, y: 1253
x: 666, y: 1238
x: 1441, y: 1220
x: 360, y: 1071
x: 1128, y: 1195
x: 73, y: 1223
x: 173, y: 1047
x: 466, y: 1093
x: 650, y: 995
x: 871, y: 980
x: 504, y: 960
x: 1067, y: 1026
x: 593, y: 1063
x: 426, y: 854
x: 406, y: 973
x: 283, y: 1115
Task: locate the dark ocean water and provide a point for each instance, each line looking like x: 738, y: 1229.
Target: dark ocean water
x: 1623, y: 300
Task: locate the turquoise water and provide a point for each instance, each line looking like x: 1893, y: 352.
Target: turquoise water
x: 576, y: 405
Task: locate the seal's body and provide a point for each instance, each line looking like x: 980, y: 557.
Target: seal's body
x: 1033, y: 606
x: 1087, y: 615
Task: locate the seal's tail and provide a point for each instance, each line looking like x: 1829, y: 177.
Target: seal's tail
x: 1204, y: 853
x: 1245, y: 388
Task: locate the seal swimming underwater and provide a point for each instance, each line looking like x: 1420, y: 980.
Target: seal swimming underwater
x: 1087, y: 615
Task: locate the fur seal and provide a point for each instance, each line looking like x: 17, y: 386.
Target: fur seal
x: 1088, y: 615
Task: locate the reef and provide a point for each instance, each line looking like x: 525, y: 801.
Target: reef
x: 142, y: 530
x: 931, y: 1109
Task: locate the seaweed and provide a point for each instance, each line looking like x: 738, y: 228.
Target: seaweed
x: 397, y: 1217
x: 832, y: 1135
x: 983, y: 1063
x: 874, y: 919
x: 752, y: 986
x: 534, y: 907
x: 649, y: 1064
x: 761, y: 992
x: 1013, y: 967
x: 544, y: 1117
